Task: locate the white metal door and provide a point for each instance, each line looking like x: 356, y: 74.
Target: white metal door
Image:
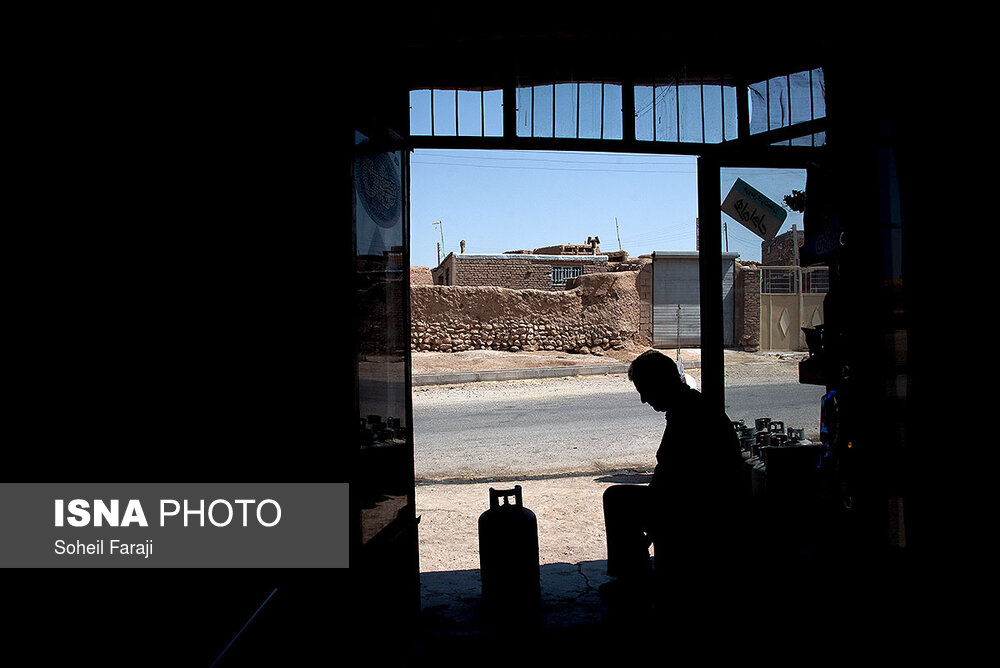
x: 677, y: 299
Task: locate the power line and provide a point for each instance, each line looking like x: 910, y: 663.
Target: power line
x: 649, y: 105
x: 654, y: 235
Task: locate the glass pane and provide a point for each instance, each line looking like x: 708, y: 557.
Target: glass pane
x: 525, y: 111
x: 381, y: 269
x: 543, y: 98
x: 800, y: 93
x: 787, y: 100
x: 714, y: 118
x: 777, y: 103
x: 565, y: 110
x: 757, y: 100
x: 690, y: 113
x: 613, y: 111
x: 420, y: 112
x: 591, y: 111
x: 470, y: 113
x: 444, y: 113
x: 643, y: 113
x: 493, y: 113
x: 729, y: 105
x: 808, y: 140
x: 818, y: 94
x: 666, y: 113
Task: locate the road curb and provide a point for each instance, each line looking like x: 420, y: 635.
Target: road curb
x: 524, y: 374
x: 516, y: 374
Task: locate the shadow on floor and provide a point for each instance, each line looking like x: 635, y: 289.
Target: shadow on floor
x: 626, y: 478
x: 450, y: 601
x: 572, y: 622
x: 797, y: 612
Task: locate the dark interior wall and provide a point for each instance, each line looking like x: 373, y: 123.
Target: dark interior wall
x: 884, y: 157
x: 646, y: 51
x: 178, y: 314
x: 188, y: 265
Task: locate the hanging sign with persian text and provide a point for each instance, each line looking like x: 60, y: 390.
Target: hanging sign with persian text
x: 750, y: 208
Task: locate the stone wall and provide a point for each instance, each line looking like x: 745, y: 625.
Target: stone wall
x: 597, y: 312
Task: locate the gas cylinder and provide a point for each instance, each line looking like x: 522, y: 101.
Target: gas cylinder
x: 762, y: 439
x: 797, y: 437
x: 777, y: 435
x: 762, y: 434
x: 745, y: 435
x: 508, y: 554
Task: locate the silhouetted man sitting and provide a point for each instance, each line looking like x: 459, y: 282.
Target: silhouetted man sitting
x: 691, y: 510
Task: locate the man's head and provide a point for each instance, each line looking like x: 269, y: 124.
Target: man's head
x: 656, y: 378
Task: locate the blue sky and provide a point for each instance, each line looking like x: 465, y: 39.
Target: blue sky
x: 509, y: 200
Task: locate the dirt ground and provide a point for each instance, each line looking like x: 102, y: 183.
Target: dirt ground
x: 568, y: 509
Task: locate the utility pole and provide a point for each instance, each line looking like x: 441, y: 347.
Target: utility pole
x: 618, y: 233
x: 441, y: 245
x: 677, y: 343
x: 795, y: 245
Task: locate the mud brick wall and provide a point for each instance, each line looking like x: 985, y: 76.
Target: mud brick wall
x: 421, y: 276
x: 644, y: 284
x: 596, y: 312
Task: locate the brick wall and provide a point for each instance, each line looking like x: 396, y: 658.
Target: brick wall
x: 518, y: 272
x: 748, y: 306
x: 779, y: 251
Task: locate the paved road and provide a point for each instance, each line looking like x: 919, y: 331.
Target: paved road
x: 569, y: 425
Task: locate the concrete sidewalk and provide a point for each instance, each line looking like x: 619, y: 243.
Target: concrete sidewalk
x: 516, y: 374
x: 487, y: 366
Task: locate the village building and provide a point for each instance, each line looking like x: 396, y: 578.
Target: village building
x: 546, y: 268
